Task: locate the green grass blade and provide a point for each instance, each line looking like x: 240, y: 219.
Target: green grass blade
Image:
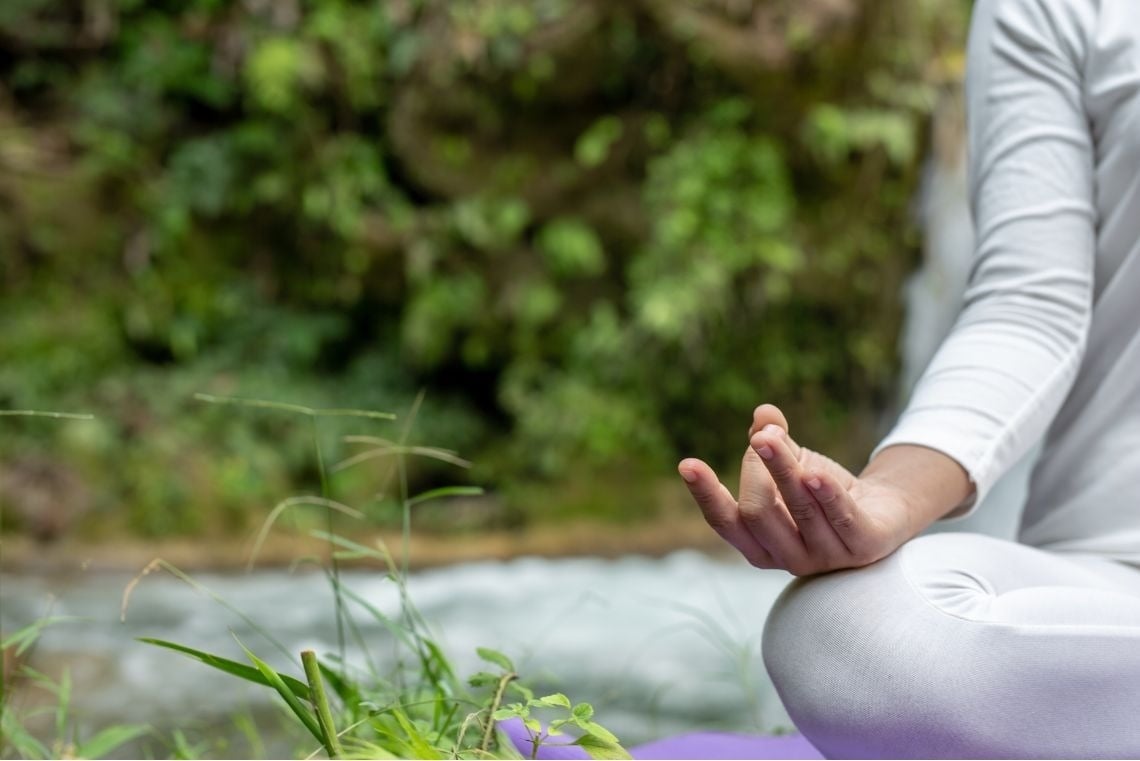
x: 359, y: 550
x: 159, y: 563
x: 419, y: 744
x: 277, y: 682
x: 233, y: 668
x: 13, y: 733
x: 63, y: 695
x: 44, y: 413
x: 390, y: 449
x: 446, y: 491
x: 394, y: 628
x: 368, y: 750
x: 439, y: 669
x: 284, y: 505
x: 321, y: 703
x: 345, y: 689
x: 245, y: 725
x: 24, y: 638
x: 109, y: 739
x: 393, y: 739
x: 299, y: 409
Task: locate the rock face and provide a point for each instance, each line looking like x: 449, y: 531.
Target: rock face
x: 597, y: 232
x: 41, y: 496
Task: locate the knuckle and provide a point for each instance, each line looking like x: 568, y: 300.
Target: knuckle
x: 752, y: 517
x: 699, y: 497
x: 751, y: 504
x: 757, y: 561
x: 827, y: 496
x: 802, y: 511
x: 781, y: 470
x: 842, y: 520
x: 753, y: 511
x: 700, y: 492
x: 719, y: 521
x: 800, y: 568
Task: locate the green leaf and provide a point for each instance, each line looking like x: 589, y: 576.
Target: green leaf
x: 595, y: 747
x: 110, y: 738
x: 552, y: 701
x: 598, y: 731
x: 276, y: 70
x: 233, y: 668
x: 571, y: 247
x: 524, y: 691
x: 583, y: 712
x: 593, y: 145
x: 483, y: 679
x: 507, y: 712
x: 495, y: 657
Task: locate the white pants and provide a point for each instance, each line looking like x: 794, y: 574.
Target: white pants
x: 959, y: 646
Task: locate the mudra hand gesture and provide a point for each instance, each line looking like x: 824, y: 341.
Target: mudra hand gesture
x: 801, y: 511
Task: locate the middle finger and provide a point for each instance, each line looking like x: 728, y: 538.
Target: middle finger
x: 763, y: 514
x: 817, y: 534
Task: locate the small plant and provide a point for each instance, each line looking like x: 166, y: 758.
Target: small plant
x: 422, y: 710
x: 593, y: 738
x: 68, y: 742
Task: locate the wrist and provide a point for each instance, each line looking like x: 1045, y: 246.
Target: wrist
x: 928, y: 483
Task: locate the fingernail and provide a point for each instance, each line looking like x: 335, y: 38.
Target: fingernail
x: 814, y: 484
x: 688, y: 475
x: 773, y: 429
x: 764, y: 451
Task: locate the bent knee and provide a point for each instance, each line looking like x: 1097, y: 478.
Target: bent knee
x: 935, y: 652
x: 850, y: 654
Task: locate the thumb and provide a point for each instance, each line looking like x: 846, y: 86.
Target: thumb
x: 770, y: 414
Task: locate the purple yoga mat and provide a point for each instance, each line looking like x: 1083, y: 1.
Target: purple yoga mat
x: 720, y: 745
x: 703, y: 745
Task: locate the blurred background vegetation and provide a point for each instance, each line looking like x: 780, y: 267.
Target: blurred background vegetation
x: 596, y: 233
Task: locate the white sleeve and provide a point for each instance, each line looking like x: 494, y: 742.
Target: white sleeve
x: 1001, y: 375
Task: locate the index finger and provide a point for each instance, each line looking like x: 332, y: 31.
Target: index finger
x: 722, y: 512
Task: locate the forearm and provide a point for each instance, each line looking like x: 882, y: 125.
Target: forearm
x: 932, y: 483
x: 1003, y: 373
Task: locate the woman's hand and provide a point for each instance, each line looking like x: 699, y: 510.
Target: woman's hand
x: 799, y: 510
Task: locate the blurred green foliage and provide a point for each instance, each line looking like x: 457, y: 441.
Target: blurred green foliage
x: 597, y: 233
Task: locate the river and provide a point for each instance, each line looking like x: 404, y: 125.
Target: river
x: 659, y: 646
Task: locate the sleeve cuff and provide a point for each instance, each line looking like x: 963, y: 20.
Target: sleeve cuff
x: 913, y: 432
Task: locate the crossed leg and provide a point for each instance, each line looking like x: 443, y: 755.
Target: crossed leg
x: 961, y: 645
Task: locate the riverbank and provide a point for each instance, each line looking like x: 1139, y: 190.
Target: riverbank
x: 671, y: 531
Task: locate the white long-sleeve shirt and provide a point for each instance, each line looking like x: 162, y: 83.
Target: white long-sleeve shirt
x: 1048, y: 340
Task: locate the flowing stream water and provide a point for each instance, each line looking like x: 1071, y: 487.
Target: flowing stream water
x: 659, y: 646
